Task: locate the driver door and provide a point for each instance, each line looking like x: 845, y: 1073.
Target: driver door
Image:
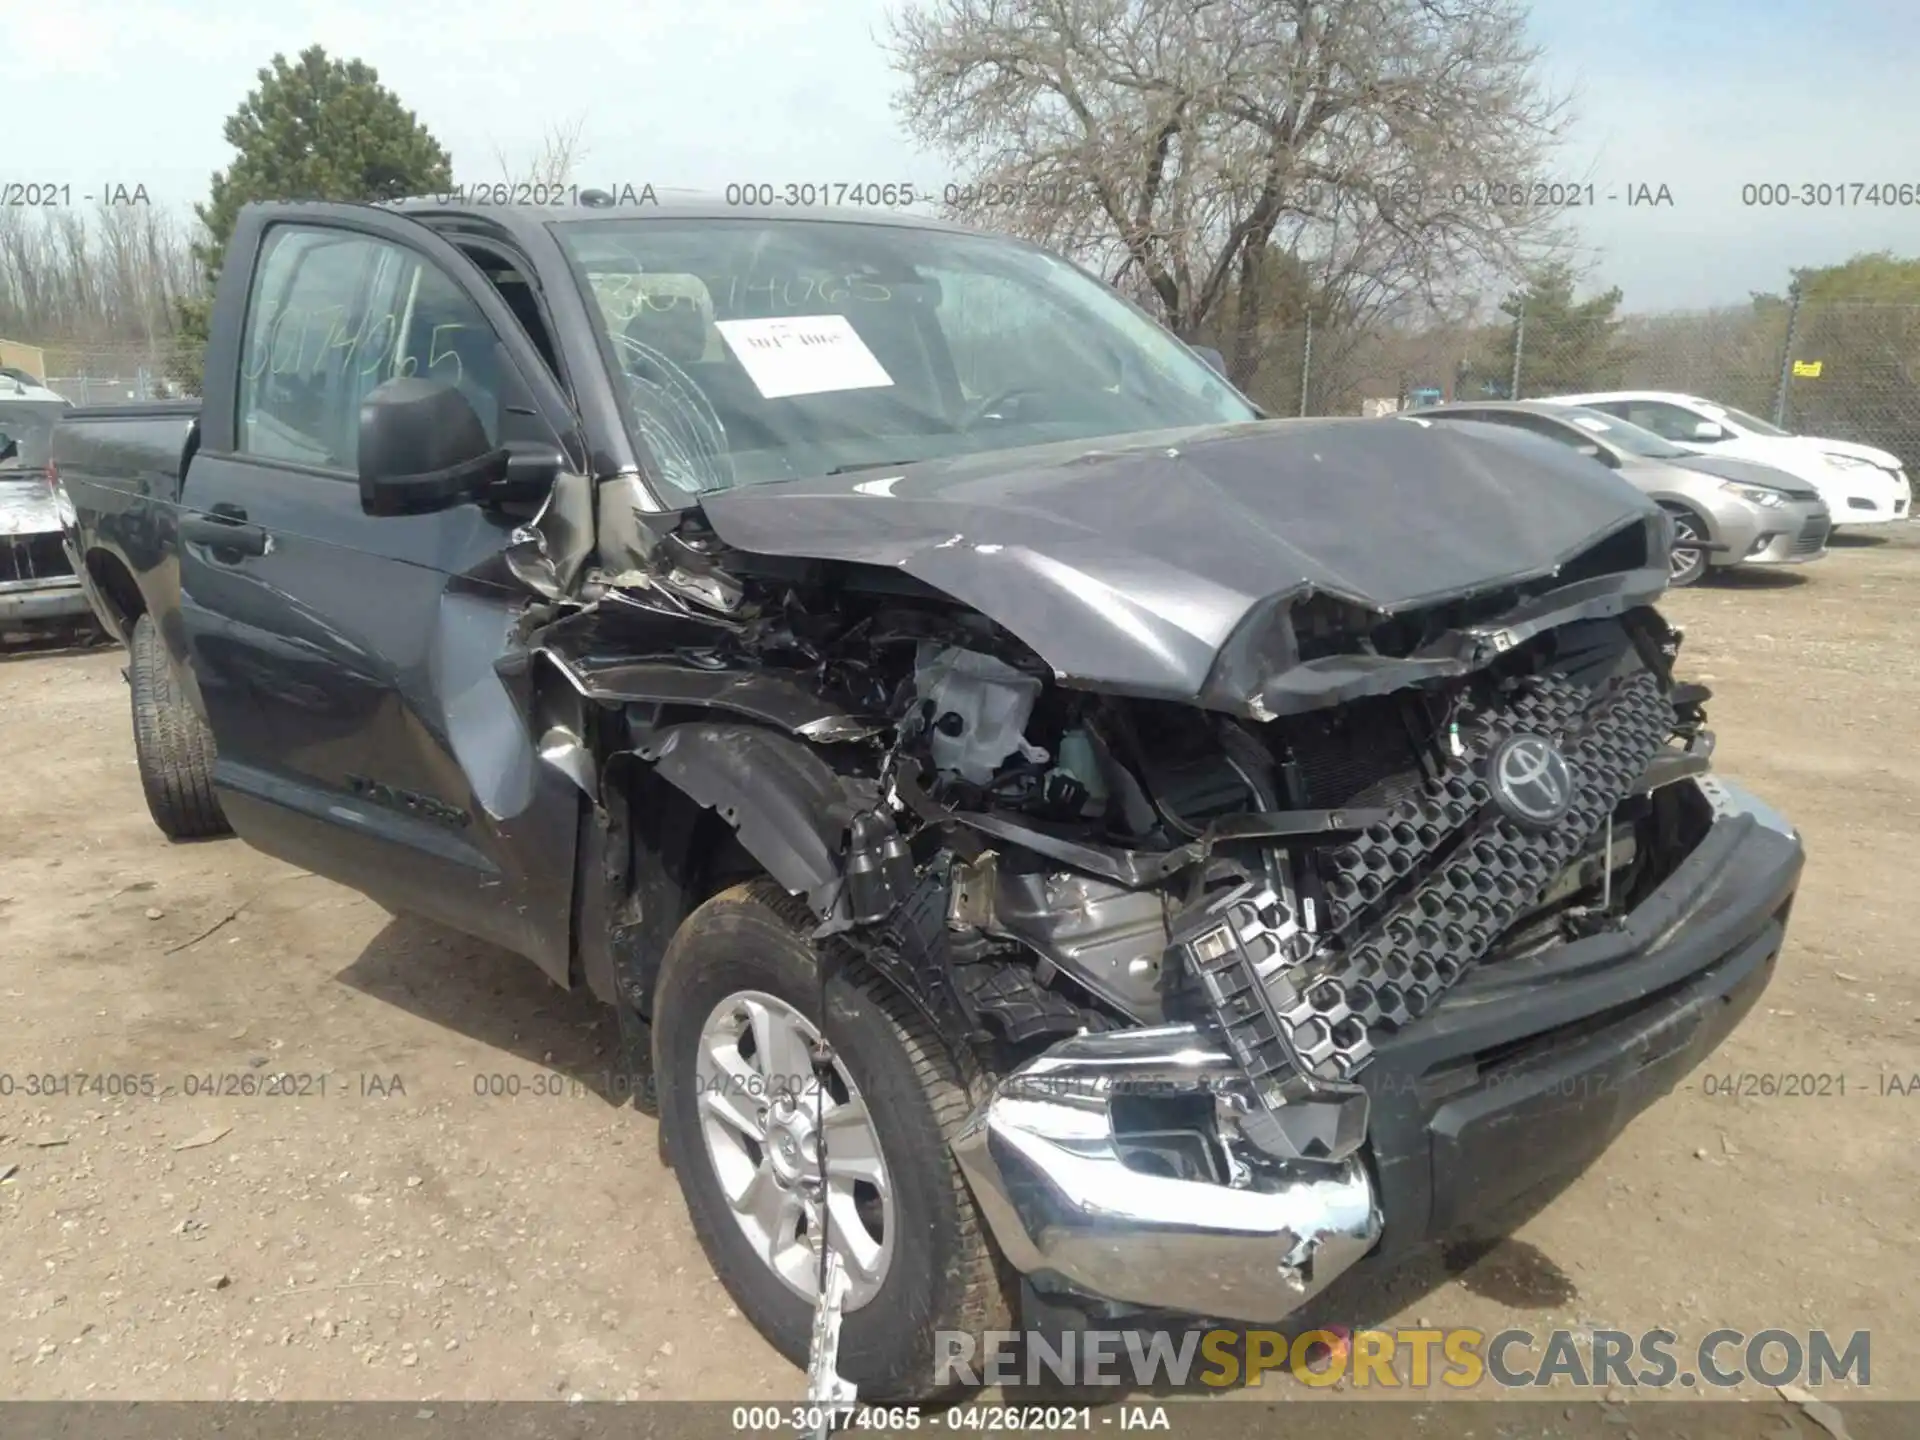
x: 346, y: 661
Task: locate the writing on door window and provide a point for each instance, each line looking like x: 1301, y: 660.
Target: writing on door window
x: 317, y: 340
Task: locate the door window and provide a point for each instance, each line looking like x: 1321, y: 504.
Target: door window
x: 1669, y: 422
x: 1552, y: 429
x: 1544, y: 426
x: 334, y: 315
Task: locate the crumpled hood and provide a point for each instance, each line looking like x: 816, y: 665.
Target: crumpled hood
x: 26, y: 506
x: 1126, y: 568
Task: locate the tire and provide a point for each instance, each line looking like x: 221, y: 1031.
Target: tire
x: 1681, y: 571
x: 173, y: 746
x: 942, y: 1272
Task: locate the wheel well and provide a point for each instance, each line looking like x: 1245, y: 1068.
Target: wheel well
x: 718, y: 861
x: 673, y: 856
x: 116, y: 585
x: 1680, y: 507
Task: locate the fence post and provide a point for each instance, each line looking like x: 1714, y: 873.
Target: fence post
x: 1306, y: 361
x: 1519, y: 345
x: 1786, y: 356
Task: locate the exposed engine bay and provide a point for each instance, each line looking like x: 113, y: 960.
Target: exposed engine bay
x: 1029, y: 861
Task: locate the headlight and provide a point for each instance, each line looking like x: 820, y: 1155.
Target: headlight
x: 1756, y: 494
x: 1847, y: 462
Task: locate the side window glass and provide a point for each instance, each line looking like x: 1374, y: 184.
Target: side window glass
x: 294, y: 402
x: 443, y: 336
x: 1669, y: 422
x: 333, y: 315
x: 1552, y: 430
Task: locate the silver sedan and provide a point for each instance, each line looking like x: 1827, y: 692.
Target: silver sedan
x: 1725, y: 512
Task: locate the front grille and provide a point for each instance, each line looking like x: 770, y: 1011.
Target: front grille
x: 1859, y: 502
x: 32, y: 557
x: 1420, y: 896
x: 1813, y: 537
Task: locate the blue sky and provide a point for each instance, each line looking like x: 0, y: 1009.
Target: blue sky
x: 1700, y: 97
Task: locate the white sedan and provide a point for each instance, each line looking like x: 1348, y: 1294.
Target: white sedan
x: 1861, y: 485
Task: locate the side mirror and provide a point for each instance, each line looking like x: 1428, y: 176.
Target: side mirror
x: 1708, y: 430
x: 1213, y: 357
x: 422, y: 448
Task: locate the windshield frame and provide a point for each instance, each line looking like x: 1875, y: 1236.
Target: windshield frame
x: 670, y: 496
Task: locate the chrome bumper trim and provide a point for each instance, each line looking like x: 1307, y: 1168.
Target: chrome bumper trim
x: 1045, y: 1166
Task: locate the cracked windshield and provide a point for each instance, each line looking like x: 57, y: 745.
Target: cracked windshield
x: 755, y: 351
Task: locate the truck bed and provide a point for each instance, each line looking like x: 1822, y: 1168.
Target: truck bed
x: 120, y: 466
x: 122, y: 446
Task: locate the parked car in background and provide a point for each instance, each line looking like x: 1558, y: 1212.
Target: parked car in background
x: 38, y: 587
x: 1725, y: 512
x: 1861, y: 485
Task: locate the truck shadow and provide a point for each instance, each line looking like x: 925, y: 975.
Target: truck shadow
x: 497, y: 998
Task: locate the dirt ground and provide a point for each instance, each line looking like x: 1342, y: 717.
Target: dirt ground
x: 394, y: 1230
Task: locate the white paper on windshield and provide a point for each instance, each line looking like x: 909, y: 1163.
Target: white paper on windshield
x: 802, y: 354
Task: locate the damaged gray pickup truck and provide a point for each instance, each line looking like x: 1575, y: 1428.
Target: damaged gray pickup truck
x: 1058, y: 840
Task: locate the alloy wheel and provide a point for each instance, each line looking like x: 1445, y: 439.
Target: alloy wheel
x: 1686, y: 561
x: 764, y: 1110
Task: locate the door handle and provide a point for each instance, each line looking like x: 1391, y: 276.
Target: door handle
x: 225, y: 529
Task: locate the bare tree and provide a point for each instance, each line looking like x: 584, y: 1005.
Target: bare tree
x: 553, y: 166
x: 101, y: 280
x: 1176, y: 144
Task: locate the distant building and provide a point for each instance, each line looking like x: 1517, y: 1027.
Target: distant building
x: 29, y: 361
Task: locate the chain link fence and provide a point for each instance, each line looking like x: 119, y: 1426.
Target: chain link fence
x: 1849, y: 370
x: 110, y: 374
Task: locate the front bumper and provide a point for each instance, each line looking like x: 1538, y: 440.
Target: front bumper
x: 1791, y: 535
x: 1047, y: 1168
x: 24, y: 602
x: 1517, y: 1079
x: 1854, y: 504
x: 37, y: 581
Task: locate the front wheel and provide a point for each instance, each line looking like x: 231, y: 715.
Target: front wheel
x: 1686, y: 561
x: 737, y: 1022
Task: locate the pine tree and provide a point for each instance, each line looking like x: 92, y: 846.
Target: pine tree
x: 315, y: 129
x: 1565, y: 345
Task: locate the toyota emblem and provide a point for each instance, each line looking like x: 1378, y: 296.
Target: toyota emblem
x: 1531, y: 781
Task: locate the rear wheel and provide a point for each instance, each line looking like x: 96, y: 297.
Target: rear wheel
x: 172, y: 744
x: 1687, y: 562
x: 738, y: 1007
